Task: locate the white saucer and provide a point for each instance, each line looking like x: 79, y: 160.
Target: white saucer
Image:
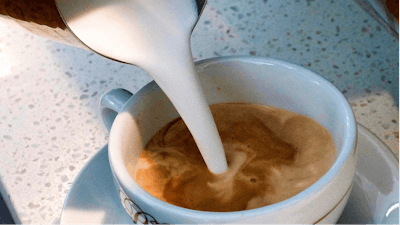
x: 374, y: 198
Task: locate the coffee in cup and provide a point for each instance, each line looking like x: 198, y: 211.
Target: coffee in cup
x: 273, y: 154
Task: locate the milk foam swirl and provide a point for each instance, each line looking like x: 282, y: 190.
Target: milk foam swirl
x: 272, y: 155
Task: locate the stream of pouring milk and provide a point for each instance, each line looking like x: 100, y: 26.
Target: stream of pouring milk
x: 154, y: 35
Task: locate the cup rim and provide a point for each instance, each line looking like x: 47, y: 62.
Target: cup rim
x: 349, y: 141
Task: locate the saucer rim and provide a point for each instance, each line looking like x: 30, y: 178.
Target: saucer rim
x: 386, y: 148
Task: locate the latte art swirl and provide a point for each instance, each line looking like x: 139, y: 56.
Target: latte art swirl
x: 272, y: 155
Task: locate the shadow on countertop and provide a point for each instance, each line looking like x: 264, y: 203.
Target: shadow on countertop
x: 5, y: 215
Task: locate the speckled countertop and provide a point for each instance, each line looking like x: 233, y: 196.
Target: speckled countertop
x: 49, y: 92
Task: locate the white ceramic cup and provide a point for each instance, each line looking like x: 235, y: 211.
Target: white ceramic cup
x: 236, y: 79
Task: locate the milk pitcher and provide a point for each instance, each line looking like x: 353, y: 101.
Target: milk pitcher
x: 39, y: 17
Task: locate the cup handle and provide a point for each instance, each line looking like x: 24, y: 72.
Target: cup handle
x: 111, y: 103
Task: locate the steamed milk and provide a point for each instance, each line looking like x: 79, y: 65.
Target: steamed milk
x: 155, y: 36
